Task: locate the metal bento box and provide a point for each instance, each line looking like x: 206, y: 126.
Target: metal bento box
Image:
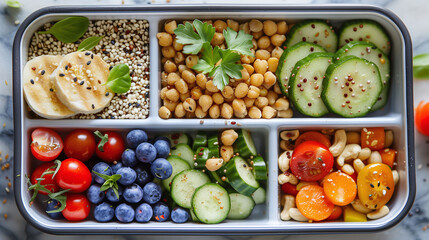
x: 265, y: 219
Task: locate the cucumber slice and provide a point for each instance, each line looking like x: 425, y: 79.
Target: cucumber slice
x: 288, y: 60
x: 240, y: 176
x: 370, y: 52
x: 364, y: 30
x: 314, y: 31
x: 193, y: 216
x: 211, y: 203
x: 217, y: 179
x: 244, y: 144
x: 241, y: 206
x: 178, y: 138
x: 202, y: 155
x: 178, y: 165
x: 305, y: 85
x: 259, y: 168
x: 184, y: 184
x: 213, y: 145
x: 259, y: 195
x: 351, y: 87
x: 184, y: 152
x: 200, y: 141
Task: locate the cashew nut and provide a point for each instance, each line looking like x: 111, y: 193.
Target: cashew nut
x: 296, y: 215
x: 287, y: 178
x: 395, y: 176
x: 375, y: 157
x: 353, y: 137
x: 289, y: 135
x: 379, y: 213
x: 213, y: 164
x: 388, y: 138
x: 288, y: 203
x: 284, y: 160
x: 358, y: 206
x: 286, y: 145
x: 351, y: 151
x: 348, y: 169
x: 358, y: 165
x: 364, y: 154
x: 340, y: 140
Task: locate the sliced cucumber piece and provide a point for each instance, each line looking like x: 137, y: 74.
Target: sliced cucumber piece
x: 364, y: 30
x: 213, y: 145
x: 177, y: 138
x: 372, y: 53
x: 217, y: 179
x: 288, y: 60
x: 199, y: 141
x: 259, y: 195
x: 184, y: 152
x: 244, y: 144
x: 259, y: 168
x: 184, y: 184
x: 241, y: 206
x: 240, y: 176
x: 178, y: 165
x: 314, y: 31
x: 305, y: 85
x: 351, y: 87
x: 211, y: 203
x: 202, y: 154
x: 193, y: 216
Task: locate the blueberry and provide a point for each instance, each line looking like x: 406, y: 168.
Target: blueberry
x: 146, y: 152
x: 163, y: 138
x: 128, y: 175
x: 133, y: 193
x: 111, y: 196
x: 144, y: 213
x: 102, y: 168
x: 161, y: 212
x: 94, y: 194
x: 104, y: 212
x: 129, y: 158
x: 124, y: 213
x: 135, y: 137
x: 115, y: 167
x: 152, y: 193
x: 179, y: 215
x: 54, y: 205
x: 161, y: 168
x: 143, y: 175
x: 162, y: 148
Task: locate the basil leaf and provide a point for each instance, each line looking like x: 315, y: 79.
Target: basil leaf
x: 89, y: 43
x: 13, y: 3
x: 119, y: 80
x: 421, y: 66
x: 69, y: 29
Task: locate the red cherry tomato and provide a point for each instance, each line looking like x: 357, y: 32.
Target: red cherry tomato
x: 46, y: 144
x: 112, y: 149
x: 338, y: 211
x: 74, y: 175
x: 77, y: 207
x: 48, y: 182
x: 289, y: 189
x: 80, y: 144
x: 311, y: 161
x: 422, y: 118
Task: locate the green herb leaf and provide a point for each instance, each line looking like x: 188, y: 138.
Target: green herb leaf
x: 227, y: 69
x: 193, y: 42
x: 89, y: 43
x: 110, y: 182
x: 60, y: 198
x: 119, y: 80
x: 69, y: 29
x: 241, y: 42
x: 104, y: 140
x: 421, y: 66
x: 209, y: 59
x: 56, y: 167
x: 13, y: 3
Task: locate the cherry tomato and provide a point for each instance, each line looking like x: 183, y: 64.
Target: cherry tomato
x: 313, y: 136
x: 46, y: 144
x: 311, y: 161
x: 289, y: 189
x: 338, y: 211
x: 375, y: 185
x: 80, y: 144
x: 77, y: 207
x: 74, y: 175
x: 112, y: 149
x: 422, y: 118
x: 48, y: 182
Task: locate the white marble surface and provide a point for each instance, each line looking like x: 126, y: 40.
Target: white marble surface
x: 413, y: 12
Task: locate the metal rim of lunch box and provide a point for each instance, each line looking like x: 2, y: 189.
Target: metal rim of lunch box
x: 409, y: 118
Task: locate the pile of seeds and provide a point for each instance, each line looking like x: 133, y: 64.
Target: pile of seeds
x: 125, y: 41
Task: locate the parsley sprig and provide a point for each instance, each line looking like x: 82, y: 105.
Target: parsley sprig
x: 220, y: 64
x: 111, y: 182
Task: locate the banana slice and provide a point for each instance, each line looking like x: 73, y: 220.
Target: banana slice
x: 39, y: 91
x: 79, y: 80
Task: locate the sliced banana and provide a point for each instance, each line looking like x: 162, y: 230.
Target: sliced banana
x: 39, y: 91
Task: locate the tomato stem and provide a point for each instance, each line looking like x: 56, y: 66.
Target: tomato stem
x: 104, y: 139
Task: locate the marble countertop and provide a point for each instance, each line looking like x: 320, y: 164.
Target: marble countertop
x: 415, y: 15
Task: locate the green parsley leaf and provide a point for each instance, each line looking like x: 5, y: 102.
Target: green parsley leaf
x: 421, y: 66
x: 13, y: 3
x: 241, y: 42
x: 209, y: 59
x: 192, y: 40
x: 227, y: 69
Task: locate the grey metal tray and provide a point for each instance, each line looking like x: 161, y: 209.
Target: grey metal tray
x: 397, y: 116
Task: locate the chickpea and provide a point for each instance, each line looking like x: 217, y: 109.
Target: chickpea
x: 170, y: 26
x: 272, y: 64
x: 245, y: 27
x: 246, y: 59
x: 255, y: 113
x: 255, y: 25
x: 253, y: 92
x: 257, y: 35
x: 255, y: 44
x: 196, y: 93
x: 189, y: 105
x: 256, y: 79
x: 264, y: 42
x: 190, y: 114
x: 164, y: 79
x: 179, y: 111
x: 177, y: 46
x: 264, y: 92
x: 168, y: 52
x: 277, y: 39
x: 164, y: 113
x: 272, y: 97
x: 270, y: 27
x: 214, y: 111
x: 268, y: 112
x: 262, y: 54
x: 218, y: 39
x: 172, y: 95
x: 226, y: 152
x: 179, y: 58
x: 232, y: 24
x: 222, y: 46
x: 211, y: 87
x: 281, y: 104
x: 205, y: 102
x: 238, y: 105
x: 226, y: 111
x: 241, y: 90
x: 220, y: 25
x: 240, y: 115
x: 270, y: 48
x: 248, y: 102
x: 182, y: 68
x: 282, y: 27
x: 218, y: 98
x: 163, y: 60
x: 207, y: 92
x: 191, y: 61
x: 244, y: 74
x: 269, y: 79
x: 209, y: 22
x: 164, y: 39
x: 277, y: 52
x: 163, y: 92
x: 172, y: 78
x: 181, y: 86
x: 169, y: 66
x: 199, y: 113
x: 201, y: 80
x: 261, y: 102
x: 192, y: 85
x: 277, y: 89
x: 228, y: 137
x: 285, y: 113
x: 170, y: 105
x: 184, y: 96
x: 260, y: 66
x: 188, y: 76
x: 227, y: 92
x: 249, y: 68
x: 290, y: 27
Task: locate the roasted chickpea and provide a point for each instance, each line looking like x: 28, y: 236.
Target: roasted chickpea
x: 270, y: 48
x: 184, y: 96
x: 190, y: 114
x: 261, y: 102
x: 255, y: 25
x: 262, y: 54
x: 277, y: 89
x: 282, y: 27
x: 227, y: 92
x: 164, y: 39
x: 220, y: 25
x: 239, y: 106
x: 249, y: 68
x: 256, y: 79
x: 218, y: 39
x: 169, y: 66
x: 214, y: 111
x: 211, y: 87
x: 177, y: 46
x: 232, y: 24
x: 196, y: 93
x: 164, y: 76
x: 205, y: 102
x: 272, y: 97
x: 277, y: 52
x: 179, y: 58
x: 248, y: 102
x: 253, y: 92
x: 264, y: 42
x: 261, y: 66
x: 168, y: 52
x: 255, y: 44
x: 172, y: 95
x: 244, y: 74
x: 188, y: 76
x: 255, y: 113
x: 170, y: 26
x: 170, y: 105
x: 277, y: 39
x: 189, y: 105
x: 191, y: 61
x: 199, y: 113
x: 164, y: 113
x: 257, y: 35
x: 182, y: 68
x: 269, y: 79
x: 179, y: 111
x: 285, y: 113
x: 268, y: 112
x: 245, y: 27
x: 217, y: 98
x: 163, y: 92
x: 181, y: 86
x: 272, y: 64
x: 201, y: 80
x: 172, y: 78
x: 281, y: 104
x: 270, y: 27
x: 264, y: 92
x: 226, y: 111
x: 241, y: 90
x: 228, y: 137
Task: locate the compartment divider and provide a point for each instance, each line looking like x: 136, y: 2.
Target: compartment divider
x: 272, y: 199
x: 154, y: 79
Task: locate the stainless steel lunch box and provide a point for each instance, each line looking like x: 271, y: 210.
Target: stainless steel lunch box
x: 397, y: 116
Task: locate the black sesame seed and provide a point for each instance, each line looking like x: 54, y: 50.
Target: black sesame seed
x: 374, y: 47
x: 129, y: 104
x: 32, y: 81
x: 51, y: 89
x: 66, y: 67
x: 138, y: 105
x: 378, y: 184
x: 93, y: 106
x: 372, y: 185
x: 43, y: 72
x: 75, y: 79
x: 113, y: 42
x: 62, y: 75
x: 375, y: 205
x: 92, y: 56
x: 121, y: 37
x: 89, y: 62
x: 388, y: 188
x: 81, y: 83
x: 106, y: 52
x: 112, y: 117
x: 110, y: 68
x: 138, y: 64
x: 107, y: 94
x: 87, y: 53
x: 89, y: 88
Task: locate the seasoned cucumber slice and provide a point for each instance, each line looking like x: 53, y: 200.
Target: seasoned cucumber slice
x: 202, y: 154
x: 351, y: 87
x: 177, y: 138
x: 364, y: 30
x: 184, y: 152
x: 184, y: 184
x: 241, y: 206
x: 211, y: 203
x: 313, y: 31
x: 259, y: 195
x: 240, y: 176
x: 200, y: 141
x: 213, y: 145
x: 259, y: 168
x: 244, y: 144
x: 217, y: 179
x: 288, y: 60
x: 178, y: 165
x: 370, y: 52
x: 305, y: 85
x: 193, y: 216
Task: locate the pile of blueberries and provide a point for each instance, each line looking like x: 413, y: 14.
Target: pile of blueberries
x: 143, y: 165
